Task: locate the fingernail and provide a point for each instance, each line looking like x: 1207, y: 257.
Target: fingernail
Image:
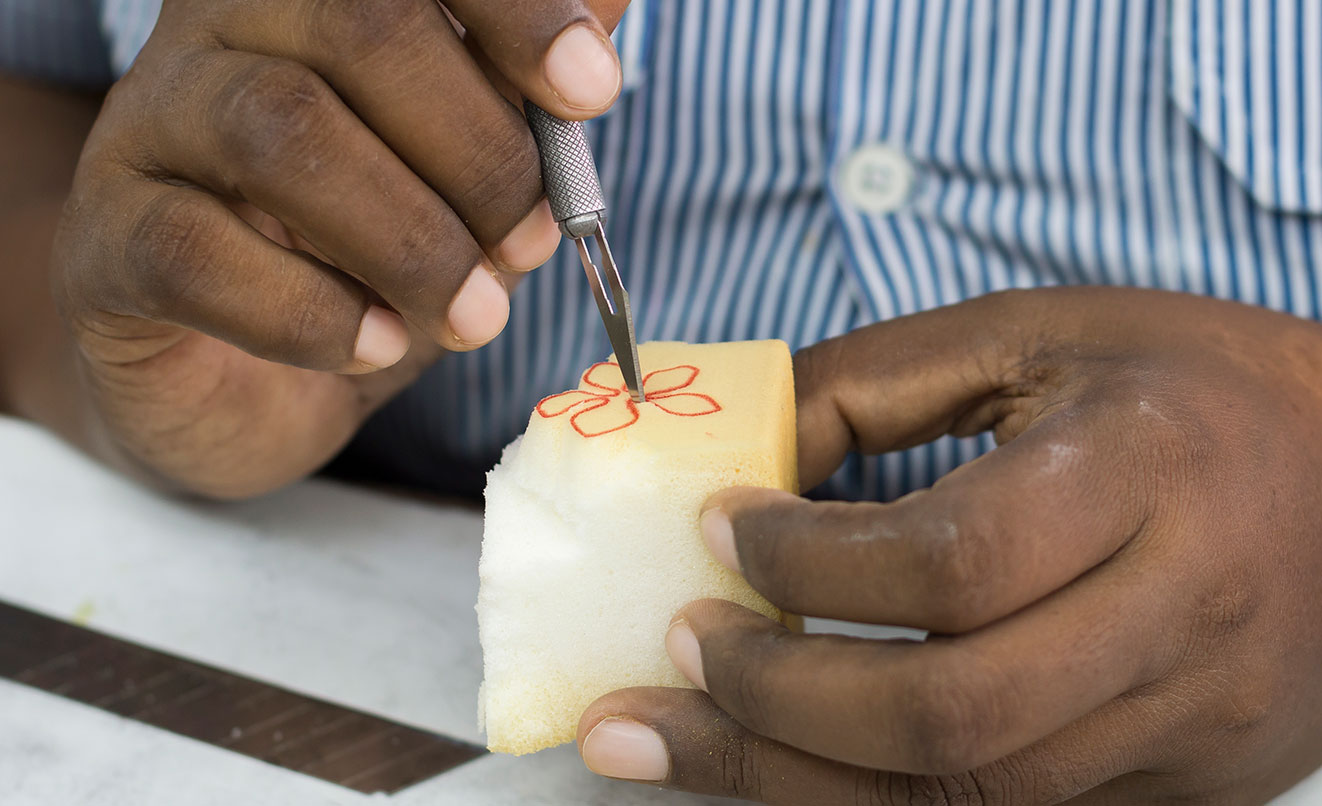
x: 582, y: 69
x: 532, y: 241
x: 480, y: 309
x: 383, y: 338
x: 682, y: 646
x: 622, y: 748
x: 718, y: 534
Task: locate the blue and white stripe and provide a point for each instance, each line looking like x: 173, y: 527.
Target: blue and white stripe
x: 58, y: 41
x: 1159, y: 143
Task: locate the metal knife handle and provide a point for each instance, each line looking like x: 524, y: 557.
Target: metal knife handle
x: 568, y: 172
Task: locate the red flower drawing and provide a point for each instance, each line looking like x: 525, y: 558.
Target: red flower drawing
x: 609, y: 408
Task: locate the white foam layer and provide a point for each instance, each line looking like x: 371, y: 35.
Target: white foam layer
x: 591, y: 545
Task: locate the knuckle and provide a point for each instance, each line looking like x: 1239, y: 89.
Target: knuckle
x: 741, y: 770
x: 999, y: 783
x: 964, y: 789
x: 923, y: 790
x: 1244, y: 713
x: 821, y: 366
x: 428, y: 261
x: 777, y: 540
x: 172, y: 251
x: 77, y: 276
x: 359, y: 30
x: 747, y: 691
x: 1225, y: 611
x: 961, y: 559
x: 273, y: 117
x: 946, y: 722
x: 874, y: 787
x: 1024, y: 777
x: 501, y: 178
x: 749, y: 697
x: 312, y: 324
x: 1175, y: 438
x: 766, y: 558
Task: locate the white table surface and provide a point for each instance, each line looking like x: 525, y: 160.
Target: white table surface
x: 354, y: 596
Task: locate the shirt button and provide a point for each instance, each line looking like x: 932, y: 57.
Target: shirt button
x: 876, y: 178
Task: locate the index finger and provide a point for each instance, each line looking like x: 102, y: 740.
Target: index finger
x: 987, y: 539
x: 907, y: 381
x: 559, y: 55
x: 402, y: 69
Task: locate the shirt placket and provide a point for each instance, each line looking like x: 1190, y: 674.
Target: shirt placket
x: 870, y: 176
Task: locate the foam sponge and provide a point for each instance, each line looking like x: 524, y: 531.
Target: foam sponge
x: 591, y: 542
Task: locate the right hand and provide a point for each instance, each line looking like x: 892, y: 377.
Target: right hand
x: 281, y: 198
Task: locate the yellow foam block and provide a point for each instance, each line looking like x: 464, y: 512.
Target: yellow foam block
x: 591, y: 542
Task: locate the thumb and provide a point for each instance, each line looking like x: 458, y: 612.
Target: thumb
x: 558, y: 55
x: 959, y: 369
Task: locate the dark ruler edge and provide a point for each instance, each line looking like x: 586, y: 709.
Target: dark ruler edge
x: 351, y: 748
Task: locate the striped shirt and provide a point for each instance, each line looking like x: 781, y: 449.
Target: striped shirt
x: 798, y: 168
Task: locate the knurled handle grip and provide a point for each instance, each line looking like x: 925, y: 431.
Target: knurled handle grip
x: 568, y: 172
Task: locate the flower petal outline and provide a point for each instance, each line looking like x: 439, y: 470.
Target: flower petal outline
x: 608, y: 383
x: 685, y: 404
x: 594, y: 414
x: 661, y: 381
x: 604, y: 418
x: 556, y: 405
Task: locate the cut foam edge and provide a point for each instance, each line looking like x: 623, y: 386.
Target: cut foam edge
x: 591, y: 541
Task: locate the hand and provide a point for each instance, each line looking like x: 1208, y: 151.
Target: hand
x: 282, y: 197
x: 1124, y: 598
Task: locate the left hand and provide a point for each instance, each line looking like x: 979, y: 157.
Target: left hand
x: 287, y: 208
x: 1124, y: 598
